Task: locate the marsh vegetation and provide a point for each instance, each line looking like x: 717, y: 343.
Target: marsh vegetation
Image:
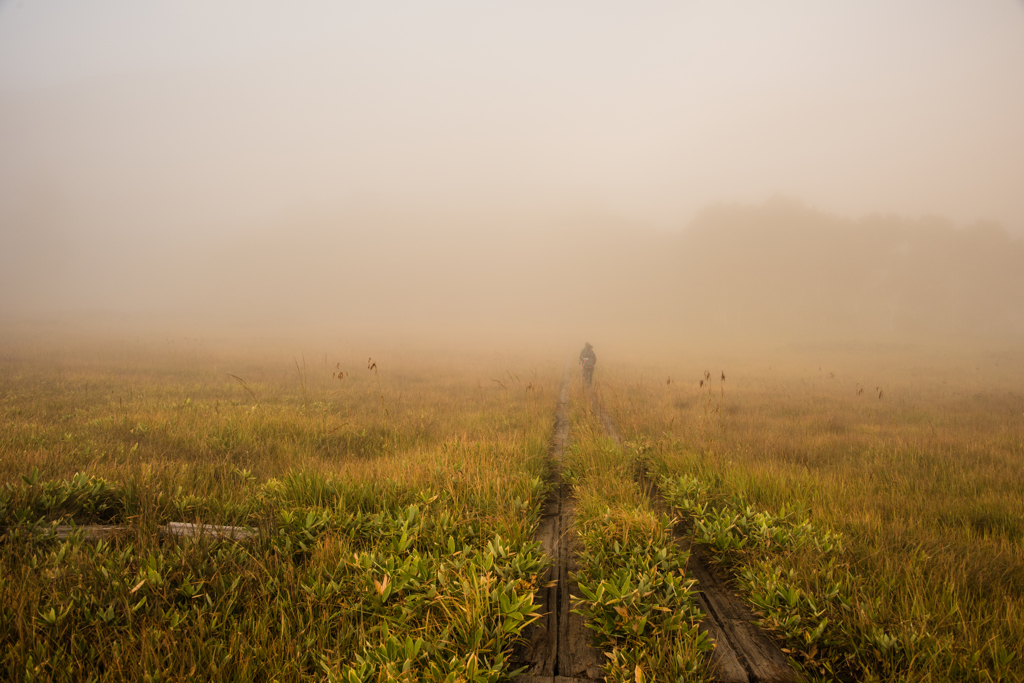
x: 866, y: 503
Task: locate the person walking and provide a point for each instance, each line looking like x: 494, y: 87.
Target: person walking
x: 588, y: 359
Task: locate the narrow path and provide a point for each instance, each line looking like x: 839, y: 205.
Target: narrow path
x: 743, y: 653
x: 558, y: 644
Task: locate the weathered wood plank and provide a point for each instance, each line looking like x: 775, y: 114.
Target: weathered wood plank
x: 189, y: 530
x: 576, y: 657
x: 540, y: 650
x: 98, y: 532
x: 559, y: 642
x: 762, y: 659
x: 725, y: 662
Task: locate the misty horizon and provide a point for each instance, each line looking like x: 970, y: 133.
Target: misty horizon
x: 779, y: 268
x: 555, y: 169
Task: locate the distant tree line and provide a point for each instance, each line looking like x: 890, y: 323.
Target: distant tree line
x: 782, y: 265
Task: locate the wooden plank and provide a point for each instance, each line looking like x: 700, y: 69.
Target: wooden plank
x: 725, y: 662
x: 189, y: 530
x: 558, y: 649
x: 761, y: 657
x: 767, y: 663
x: 576, y: 657
x: 540, y: 650
x: 98, y: 532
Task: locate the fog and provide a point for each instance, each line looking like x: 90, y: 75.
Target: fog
x: 721, y: 169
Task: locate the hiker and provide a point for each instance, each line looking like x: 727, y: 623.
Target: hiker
x: 588, y: 359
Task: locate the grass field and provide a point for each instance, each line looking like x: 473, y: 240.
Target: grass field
x: 395, y: 507
x: 869, y: 505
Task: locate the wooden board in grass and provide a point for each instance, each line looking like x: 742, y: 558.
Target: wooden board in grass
x: 102, y: 532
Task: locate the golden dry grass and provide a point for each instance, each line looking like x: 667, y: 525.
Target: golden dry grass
x: 915, y: 456
x: 396, y: 506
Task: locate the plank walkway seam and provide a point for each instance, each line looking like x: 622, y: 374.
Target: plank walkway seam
x: 558, y: 645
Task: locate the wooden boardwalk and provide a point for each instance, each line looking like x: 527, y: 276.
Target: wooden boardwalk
x: 743, y: 653
x: 557, y: 647
x: 558, y: 644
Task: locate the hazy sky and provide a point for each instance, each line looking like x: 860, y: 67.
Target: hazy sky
x: 206, y: 117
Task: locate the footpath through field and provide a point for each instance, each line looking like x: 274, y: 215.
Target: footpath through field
x: 743, y: 653
x: 558, y: 645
